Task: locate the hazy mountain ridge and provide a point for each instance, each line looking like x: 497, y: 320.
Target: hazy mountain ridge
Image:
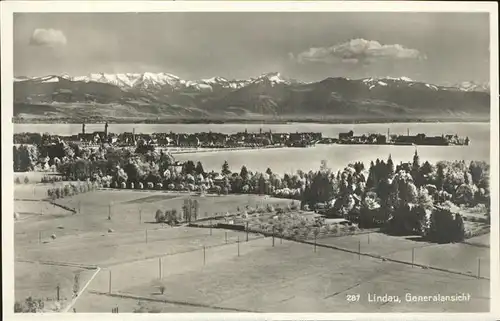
x: 151, y: 95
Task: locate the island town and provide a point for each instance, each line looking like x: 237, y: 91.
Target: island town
x: 246, y: 140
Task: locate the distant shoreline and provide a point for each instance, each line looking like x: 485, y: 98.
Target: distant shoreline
x: 251, y: 121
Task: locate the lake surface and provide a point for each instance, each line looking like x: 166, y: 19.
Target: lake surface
x: 292, y: 159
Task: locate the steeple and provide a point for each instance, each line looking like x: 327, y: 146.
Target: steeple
x: 106, y: 130
x: 83, y: 129
x: 416, y: 159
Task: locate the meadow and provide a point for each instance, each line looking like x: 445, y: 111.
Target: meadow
x: 216, y: 270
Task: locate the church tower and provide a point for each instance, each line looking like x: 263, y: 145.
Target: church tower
x: 106, y: 130
x: 416, y: 160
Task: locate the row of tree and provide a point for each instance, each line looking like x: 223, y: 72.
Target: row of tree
x: 72, y: 189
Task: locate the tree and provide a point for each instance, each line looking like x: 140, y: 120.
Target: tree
x: 324, y: 166
x: 465, y: 194
x: 225, y: 169
x: 66, y: 191
x: 159, y: 216
x: 440, y: 176
x: 477, y: 170
x: 390, y: 166
x: 189, y: 167
x: 17, y: 159
x: 424, y: 200
x: 30, y: 305
x: 76, y: 284
x: 196, y: 208
x: 416, y: 161
x: 199, y: 169
x: 244, y: 173
x: 269, y: 171
x: 445, y: 227
x: 186, y: 211
x: 236, y: 183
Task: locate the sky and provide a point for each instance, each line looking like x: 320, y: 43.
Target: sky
x: 432, y: 47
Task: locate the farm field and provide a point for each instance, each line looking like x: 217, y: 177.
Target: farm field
x: 130, y: 211
x: 292, y: 277
x: 204, y: 268
x: 40, y: 281
x: 128, y: 203
x: 456, y: 257
x: 38, y: 208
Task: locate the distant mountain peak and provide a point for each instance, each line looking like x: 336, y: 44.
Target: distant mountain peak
x: 158, y: 94
x: 273, y: 78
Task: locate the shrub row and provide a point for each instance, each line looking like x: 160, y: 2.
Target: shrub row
x: 17, y: 180
x: 72, y: 189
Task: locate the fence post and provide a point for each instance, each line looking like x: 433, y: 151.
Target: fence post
x: 247, y: 230
x: 109, y: 212
x: 109, y: 281
x: 359, y: 250
x: 478, y: 268
x: 204, y: 255
x: 58, y: 288
x: 210, y: 226
x: 225, y: 235
x: 315, y: 237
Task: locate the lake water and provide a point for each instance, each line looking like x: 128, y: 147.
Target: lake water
x: 292, y: 159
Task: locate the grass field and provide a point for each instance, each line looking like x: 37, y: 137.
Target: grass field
x: 41, y: 281
x: 289, y: 277
x: 456, y: 257
x: 292, y: 277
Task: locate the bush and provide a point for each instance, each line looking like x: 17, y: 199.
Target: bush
x: 17, y: 180
x: 159, y: 216
x: 162, y: 289
x: 446, y: 227
x: 30, y: 305
x: 26, y: 180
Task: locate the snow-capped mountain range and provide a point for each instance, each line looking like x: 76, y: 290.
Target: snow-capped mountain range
x: 155, y: 80
x: 138, y: 94
x: 149, y: 80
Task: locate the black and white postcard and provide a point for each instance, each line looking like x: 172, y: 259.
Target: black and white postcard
x: 250, y: 160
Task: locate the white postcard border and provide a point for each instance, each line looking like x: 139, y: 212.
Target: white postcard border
x: 9, y: 8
